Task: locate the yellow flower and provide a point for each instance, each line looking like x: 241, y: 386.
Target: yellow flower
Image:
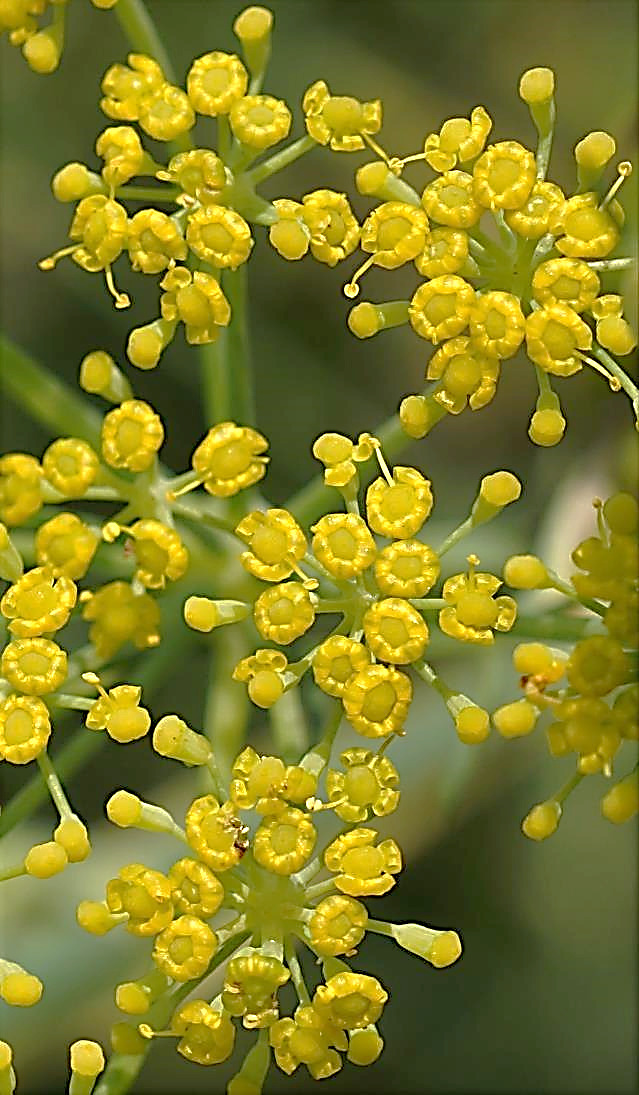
x: 291, y: 234
x: 25, y: 728
x: 101, y: 224
x: 215, y: 832
x: 468, y: 375
x: 395, y: 233
x: 259, y: 121
x: 459, y: 139
x: 251, y: 983
x: 166, y: 113
x: 533, y: 218
x: 336, y: 660
x: 124, y: 86
x: 337, y: 926
x: 339, y: 455
x: 336, y: 232
x: 565, y: 281
x: 208, y: 1035
x: 195, y: 889
x: 339, y: 120
x: 284, y: 612
x: 34, y: 666
x: 441, y: 308
x: 215, y: 81
x: 406, y: 568
x: 131, y: 436
x: 70, y: 466
x: 20, y: 487
x: 362, y: 868
x: 199, y: 173
x: 376, y: 700
x: 395, y: 632
x: 118, y: 615
x: 284, y: 843
x: 369, y: 783
x: 38, y: 603
x: 497, y: 324
x: 184, y: 949
x: 307, y: 1039
x: 588, y: 232
x: 197, y: 300
x: 474, y: 610
x: 350, y: 1000
x: 263, y: 672
x: 445, y: 252
x: 159, y: 553
x: 276, y: 544
x: 450, y: 200
x: 265, y: 783
x: 118, y: 712
x: 342, y: 543
x: 504, y: 175
x: 121, y: 149
x: 144, y: 895
x: 220, y: 236
x: 398, y: 510
x: 154, y: 241
x: 554, y: 335
x: 229, y: 459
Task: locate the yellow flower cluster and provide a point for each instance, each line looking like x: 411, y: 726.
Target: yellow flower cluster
x: 250, y: 892
x: 589, y: 691
x: 378, y: 591
x: 509, y: 259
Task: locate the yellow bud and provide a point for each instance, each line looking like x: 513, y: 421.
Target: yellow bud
x: 289, y: 239
x: 472, y: 725
x: 265, y: 688
x: 6, y: 1056
x: 253, y: 23
x: 542, y: 821
x: 622, y: 801
x: 547, y: 427
x: 364, y: 1046
x: 595, y: 150
x: 95, y: 917
x: 615, y: 334
x: 42, y: 53
x: 371, y: 177
x: 537, y: 85
x: 74, y: 181
x: 20, y: 989
x: 363, y: 320
x: 202, y: 614
x: 173, y: 738
x: 124, y: 809
x: 440, y: 948
x: 71, y: 834
x: 144, y: 347
x: 525, y: 572
x: 500, y: 489
x: 514, y: 720
x: 532, y: 659
x: 45, y: 860
x: 87, y: 1058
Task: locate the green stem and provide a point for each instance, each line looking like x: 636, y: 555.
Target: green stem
x: 629, y: 388
x: 243, y: 396
x: 164, y: 194
x: 612, y: 264
x: 55, y: 788
x: 289, y: 726
x: 227, y: 705
x: 47, y: 399
x: 123, y: 1069
x: 559, y: 629
x: 568, y: 787
x: 216, y: 379
x: 281, y: 159
x: 142, y: 33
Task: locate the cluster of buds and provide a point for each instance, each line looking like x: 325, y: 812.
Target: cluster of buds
x: 380, y: 592
x: 588, y: 692
x: 41, y: 46
x: 508, y: 259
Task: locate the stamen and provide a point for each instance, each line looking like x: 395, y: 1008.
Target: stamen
x: 147, y: 1032
x: 122, y: 300
x: 93, y: 679
x: 49, y: 263
x: 171, y: 495
x: 613, y: 382
x: 624, y: 169
x: 397, y: 164
x: 377, y: 149
x: 473, y: 561
x: 351, y: 289
x: 316, y: 804
x: 308, y: 583
x: 386, y: 472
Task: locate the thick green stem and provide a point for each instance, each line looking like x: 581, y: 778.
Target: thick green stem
x: 243, y: 396
x: 289, y: 726
x: 551, y: 627
x: 142, y: 33
x: 281, y: 159
x: 626, y: 383
x: 227, y: 704
x: 46, y: 398
x: 216, y: 380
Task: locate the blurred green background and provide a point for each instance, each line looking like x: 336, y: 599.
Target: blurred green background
x: 544, y: 999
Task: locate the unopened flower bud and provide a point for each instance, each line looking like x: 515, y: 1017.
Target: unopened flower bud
x: 440, y: 948
x: 542, y: 821
x: 203, y: 614
x: 173, y: 738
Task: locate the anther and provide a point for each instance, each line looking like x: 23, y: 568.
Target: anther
x: 377, y: 149
x: 613, y: 382
x: 122, y: 300
x: 50, y: 262
x: 385, y: 470
x: 624, y: 169
x: 351, y: 289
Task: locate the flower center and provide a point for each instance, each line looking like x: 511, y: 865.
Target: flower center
x: 476, y: 609
x: 361, y: 785
x: 379, y: 702
x: 18, y: 728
